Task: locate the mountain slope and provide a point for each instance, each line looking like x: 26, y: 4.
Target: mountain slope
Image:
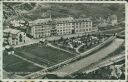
x: 33, y: 11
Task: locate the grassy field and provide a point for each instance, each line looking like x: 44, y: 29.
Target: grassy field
x: 46, y: 56
x: 15, y: 65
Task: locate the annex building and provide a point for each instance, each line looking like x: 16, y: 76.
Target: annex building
x: 14, y: 37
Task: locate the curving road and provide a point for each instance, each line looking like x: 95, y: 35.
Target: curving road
x: 74, y: 67
x: 77, y: 49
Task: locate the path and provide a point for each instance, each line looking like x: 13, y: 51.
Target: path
x: 77, y: 49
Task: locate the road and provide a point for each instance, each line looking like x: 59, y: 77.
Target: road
x: 105, y: 62
x: 77, y: 49
x: 74, y: 67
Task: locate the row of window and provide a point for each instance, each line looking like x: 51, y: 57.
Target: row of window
x: 83, y: 26
x: 83, y: 30
x: 81, y: 23
x: 61, y: 33
x: 39, y: 28
x: 41, y: 35
x: 64, y: 30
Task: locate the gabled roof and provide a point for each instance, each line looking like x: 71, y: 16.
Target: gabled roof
x: 41, y: 21
x: 57, y: 20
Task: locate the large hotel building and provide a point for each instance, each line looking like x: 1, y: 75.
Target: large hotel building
x: 60, y: 26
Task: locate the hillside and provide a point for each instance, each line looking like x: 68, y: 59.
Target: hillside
x: 33, y: 11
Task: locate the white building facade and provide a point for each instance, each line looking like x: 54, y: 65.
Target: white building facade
x: 83, y: 26
x: 40, y: 28
x: 62, y: 26
x: 14, y: 37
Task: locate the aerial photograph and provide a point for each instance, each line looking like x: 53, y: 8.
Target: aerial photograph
x: 63, y: 41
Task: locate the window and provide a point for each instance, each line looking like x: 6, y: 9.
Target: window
x: 86, y: 25
x: 80, y: 30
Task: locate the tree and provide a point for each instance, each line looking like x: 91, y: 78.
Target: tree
x: 113, y: 7
x: 20, y: 38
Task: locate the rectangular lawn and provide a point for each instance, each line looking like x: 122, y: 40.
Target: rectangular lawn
x: 13, y: 64
x: 44, y: 55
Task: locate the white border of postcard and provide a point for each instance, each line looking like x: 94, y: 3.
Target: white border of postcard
x: 59, y: 80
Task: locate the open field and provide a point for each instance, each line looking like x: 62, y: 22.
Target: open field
x: 46, y: 56
x: 13, y: 64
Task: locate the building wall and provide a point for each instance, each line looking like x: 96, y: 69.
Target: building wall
x: 82, y: 27
x: 63, y: 27
x: 23, y: 35
x: 14, y: 39
x: 40, y: 31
